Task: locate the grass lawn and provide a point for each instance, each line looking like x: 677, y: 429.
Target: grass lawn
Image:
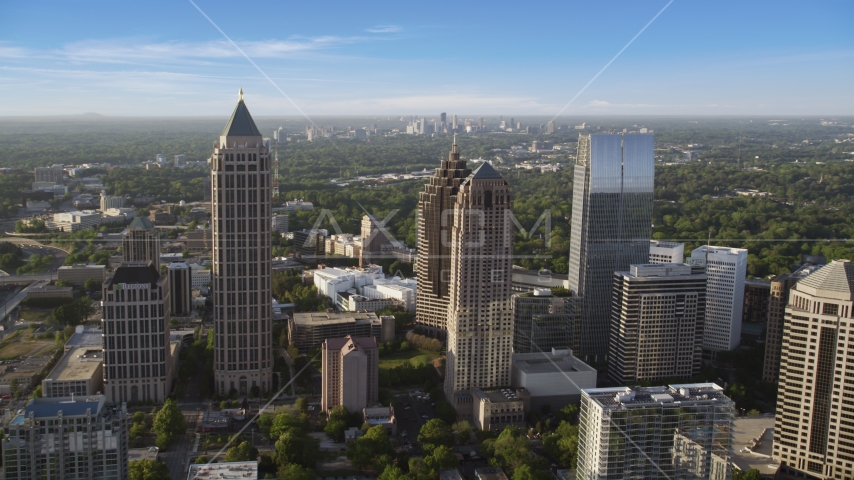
x: 36, y: 314
x: 15, y: 350
x: 414, y: 357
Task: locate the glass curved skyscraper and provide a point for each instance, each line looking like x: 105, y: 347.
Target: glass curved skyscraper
x: 611, y: 227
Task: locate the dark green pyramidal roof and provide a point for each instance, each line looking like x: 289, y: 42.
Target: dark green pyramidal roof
x: 141, y: 222
x: 485, y: 171
x: 241, y: 124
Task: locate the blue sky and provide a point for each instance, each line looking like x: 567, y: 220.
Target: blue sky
x: 153, y: 58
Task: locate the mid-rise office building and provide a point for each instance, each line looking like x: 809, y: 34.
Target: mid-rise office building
x: 726, y: 272
x: 51, y: 174
x: 73, y: 438
x: 280, y: 223
x: 480, y: 321
x: 552, y: 378
x: 629, y: 432
x: 814, y: 404
x: 666, y: 252
x: 137, y: 357
x: 611, y: 226
x: 435, y: 204
x: 350, y: 373
x: 180, y: 289
x: 657, y: 318
x: 543, y: 321
x: 240, y: 179
x: 141, y: 242
x: 308, y: 330
x: 77, y: 274
x: 111, y: 201
x: 757, y: 295
x: 80, y: 372
x: 309, y: 244
x: 777, y: 302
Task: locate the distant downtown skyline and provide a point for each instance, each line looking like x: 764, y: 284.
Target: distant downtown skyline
x: 165, y: 58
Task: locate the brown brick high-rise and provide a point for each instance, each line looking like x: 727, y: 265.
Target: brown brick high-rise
x: 434, y: 243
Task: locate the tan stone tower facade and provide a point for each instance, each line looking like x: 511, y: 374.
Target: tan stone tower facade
x: 434, y: 243
x: 141, y: 242
x: 480, y: 320
x: 240, y: 182
x: 813, y: 424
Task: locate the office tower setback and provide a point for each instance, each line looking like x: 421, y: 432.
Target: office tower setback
x: 657, y: 317
x: 70, y: 438
x: 674, y: 432
x: 141, y: 242
x: 542, y: 321
x: 726, y: 269
x: 135, y: 323
x: 480, y: 323
x: 350, y: 373
x: 666, y: 252
x: 240, y: 178
x: 611, y: 226
x: 376, y: 243
x: 777, y: 302
x: 180, y: 289
x: 812, y: 425
x: 435, y: 210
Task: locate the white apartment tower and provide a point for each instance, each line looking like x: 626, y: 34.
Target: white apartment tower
x: 672, y: 432
x: 666, y: 252
x: 480, y: 319
x: 241, y: 196
x: 68, y: 438
x: 141, y: 242
x: 726, y: 270
x: 814, y: 425
x: 135, y: 323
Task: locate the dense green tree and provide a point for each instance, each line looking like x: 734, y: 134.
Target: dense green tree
x: 294, y: 471
x: 241, y: 453
x: 148, y: 470
x: 435, y: 433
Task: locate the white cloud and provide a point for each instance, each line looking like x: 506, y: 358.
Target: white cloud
x: 122, y: 51
x: 384, y: 29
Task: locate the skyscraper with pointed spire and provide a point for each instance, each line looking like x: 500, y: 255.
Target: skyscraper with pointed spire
x: 434, y: 245
x: 480, y: 320
x: 240, y: 181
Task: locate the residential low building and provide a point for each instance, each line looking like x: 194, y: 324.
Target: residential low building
x: 80, y: 372
x: 224, y: 471
x: 383, y: 416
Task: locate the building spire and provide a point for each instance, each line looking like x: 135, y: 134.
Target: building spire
x: 454, y: 146
x: 240, y: 95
